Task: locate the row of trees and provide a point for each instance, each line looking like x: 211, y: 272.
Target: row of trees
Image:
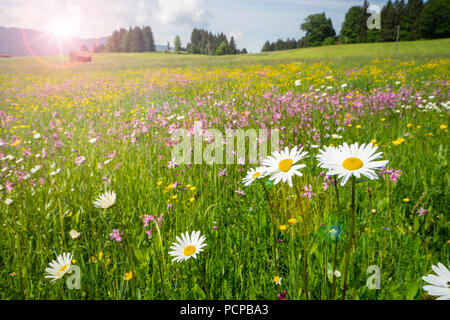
x: 284, y: 44
x: 416, y: 19
x: 135, y: 39
x: 205, y: 42
x: 95, y: 48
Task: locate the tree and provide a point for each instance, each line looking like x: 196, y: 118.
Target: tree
x: 391, y: 15
x: 136, y: 40
x: 222, y: 49
x: 317, y: 28
x: 434, y: 19
x: 232, y: 46
x: 350, y: 30
x: 410, y: 24
x: 149, y: 42
x: 177, y: 44
x: 113, y: 42
x: 101, y: 48
x: 121, y: 38
x: 125, y: 45
x: 266, y: 47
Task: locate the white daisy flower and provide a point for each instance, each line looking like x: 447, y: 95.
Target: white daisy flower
x: 298, y: 83
x: 105, y: 200
x: 252, y: 175
x: 59, y: 267
x: 439, y: 284
x: 277, y: 280
x: 355, y: 160
x: 187, y: 247
x: 93, y: 140
x: 282, y: 167
x: 8, y: 201
x: 37, y: 135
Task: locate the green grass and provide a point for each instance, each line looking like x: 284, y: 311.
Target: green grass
x: 359, y: 54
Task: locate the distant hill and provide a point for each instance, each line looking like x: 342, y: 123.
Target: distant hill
x: 12, y: 42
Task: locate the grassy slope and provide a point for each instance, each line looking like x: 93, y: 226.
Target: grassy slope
x: 358, y: 53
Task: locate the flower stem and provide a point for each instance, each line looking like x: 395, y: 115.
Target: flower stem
x: 273, y: 226
x: 305, y: 243
x: 338, y: 205
x: 350, y: 240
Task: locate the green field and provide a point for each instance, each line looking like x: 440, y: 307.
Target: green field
x: 360, y: 53
x: 72, y: 132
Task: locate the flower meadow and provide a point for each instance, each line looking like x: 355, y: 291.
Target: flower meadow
x: 353, y: 205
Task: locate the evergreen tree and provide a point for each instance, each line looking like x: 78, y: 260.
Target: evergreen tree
x: 410, y: 24
x: 121, y: 37
x: 125, y: 45
x: 232, y: 46
x: 177, y: 44
x: 113, y: 42
x: 149, y: 42
x: 351, y: 27
x: 222, y: 49
x: 388, y: 26
x: 136, y: 40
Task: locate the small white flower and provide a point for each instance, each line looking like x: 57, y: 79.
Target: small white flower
x: 8, y: 201
x: 282, y: 165
x: 35, y: 169
x: 344, y: 85
x: 187, y: 246
x: 298, y: 83
x: 354, y: 160
x: 252, y: 175
x: 74, y: 234
x: 37, y: 135
x: 439, y: 284
x: 105, y: 200
x: 93, y: 140
x: 55, y: 172
x: 336, y: 136
x: 59, y: 267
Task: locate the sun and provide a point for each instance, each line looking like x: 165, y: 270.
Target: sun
x: 61, y: 28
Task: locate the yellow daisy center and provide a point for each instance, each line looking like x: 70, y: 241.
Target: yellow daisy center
x: 62, y: 269
x: 256, y: 175
x: 189, y: 250
x: 276, y: 279
x: 285, y: 165
x: 352, y: 163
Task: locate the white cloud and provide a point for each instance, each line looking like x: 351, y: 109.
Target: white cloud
x: 237, y: 35
x: 184, y: 12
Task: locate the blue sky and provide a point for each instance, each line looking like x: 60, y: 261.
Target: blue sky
x: 251, y: 22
